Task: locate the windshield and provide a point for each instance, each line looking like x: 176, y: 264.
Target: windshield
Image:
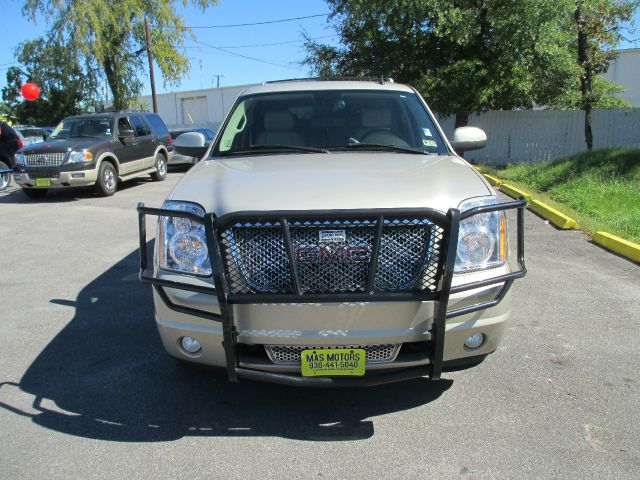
x: 30, y: 132
x: 329, y: 121
x: 90, y: 127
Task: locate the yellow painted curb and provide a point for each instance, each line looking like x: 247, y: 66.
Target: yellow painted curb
x: 619, y: 245
x: 493, y: 180
x: 514, y: 192
x: 559, y: 219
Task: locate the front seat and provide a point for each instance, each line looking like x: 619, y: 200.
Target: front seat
x: 377, y: 127
x: 279, y: 130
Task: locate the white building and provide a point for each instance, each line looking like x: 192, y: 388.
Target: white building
x: 625, y: 72
x: 198, y: 108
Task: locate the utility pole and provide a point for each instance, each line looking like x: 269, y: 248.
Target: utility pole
x: 153, y: 80
x: 218, y: 77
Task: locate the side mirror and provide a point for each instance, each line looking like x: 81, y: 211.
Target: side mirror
x: 45, y: 137
x: 468, y: 138
x: 123, y: 134
x: 191, y: 144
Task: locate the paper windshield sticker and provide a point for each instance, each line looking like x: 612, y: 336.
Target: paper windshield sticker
x: 426, y: 132
x: 429, y: 143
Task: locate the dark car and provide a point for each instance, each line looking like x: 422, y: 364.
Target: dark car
x: 96, y: 149
x: 179, y: 158
x: 10, y: 142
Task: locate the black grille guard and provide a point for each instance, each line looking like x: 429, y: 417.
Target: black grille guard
x: 227, y: 295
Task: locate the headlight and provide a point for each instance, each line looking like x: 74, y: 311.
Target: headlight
x: 181, y: 242
x: 482, y: 240
x: 83, y: 156
x: 19, y: 158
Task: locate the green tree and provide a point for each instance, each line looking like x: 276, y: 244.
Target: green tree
x: 111, y: 34
x: 463, y: 55
x: 67, y: 87
x: 598, y: 28
x: 467, y: 56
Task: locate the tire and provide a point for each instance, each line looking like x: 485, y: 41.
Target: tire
x: 161, y: 168
x: 107, y: 182
x: 35, y: 192
x: 5, y: 178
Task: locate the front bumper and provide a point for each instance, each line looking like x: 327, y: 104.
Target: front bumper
x: 342, y: 324
x: 59, y: 177
x: 232, y: 329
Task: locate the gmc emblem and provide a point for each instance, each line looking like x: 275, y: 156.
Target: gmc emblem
x: 333, y: 254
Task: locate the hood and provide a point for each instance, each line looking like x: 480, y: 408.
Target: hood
x: 361, y: 180
x: 63, y: 145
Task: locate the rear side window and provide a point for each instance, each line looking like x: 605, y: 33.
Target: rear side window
x: 158, y: 125
x: 139, y: 126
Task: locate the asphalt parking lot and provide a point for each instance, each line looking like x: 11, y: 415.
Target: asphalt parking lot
x: 87, y: 391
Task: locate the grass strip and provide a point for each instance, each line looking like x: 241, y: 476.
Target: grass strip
x: 600, y: 189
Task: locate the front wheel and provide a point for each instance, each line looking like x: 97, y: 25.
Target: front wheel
x: 107, y: 182
x: 161, y: 168
x: 5, y: 178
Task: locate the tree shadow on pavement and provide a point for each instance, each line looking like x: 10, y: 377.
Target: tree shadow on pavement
x: 106, y: 376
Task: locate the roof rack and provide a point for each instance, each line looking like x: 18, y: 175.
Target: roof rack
x: 381, y: 80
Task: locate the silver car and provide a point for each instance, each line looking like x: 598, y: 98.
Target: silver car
x: 179, y: 158
x: 31, y: 134
x: 331, y: 236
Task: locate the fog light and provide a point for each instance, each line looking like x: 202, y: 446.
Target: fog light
x: 474, y: 341
x: 77, y: 175
x: 190, y: 345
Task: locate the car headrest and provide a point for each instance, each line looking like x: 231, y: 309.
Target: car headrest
x: 278, y: 120
x: 376, y: 117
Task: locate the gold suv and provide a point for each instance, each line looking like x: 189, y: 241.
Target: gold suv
x: 331, y: 236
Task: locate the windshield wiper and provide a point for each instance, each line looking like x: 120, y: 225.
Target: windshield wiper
x: 294, y: 148
x: 383, y: 146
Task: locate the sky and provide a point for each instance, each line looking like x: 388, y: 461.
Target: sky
x: 278, y: 61
x: 268, y: 62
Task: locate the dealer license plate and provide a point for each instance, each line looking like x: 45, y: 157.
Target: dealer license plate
x: 333, y: 361
x: 43, y: 182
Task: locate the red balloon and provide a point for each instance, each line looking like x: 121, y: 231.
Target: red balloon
x: 30, y: 91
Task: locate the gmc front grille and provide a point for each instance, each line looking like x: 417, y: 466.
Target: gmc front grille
x: 333, y: 256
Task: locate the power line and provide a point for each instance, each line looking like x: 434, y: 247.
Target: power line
x: 281, y: 20
x: 238, y: 54
x: 269, y: 44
